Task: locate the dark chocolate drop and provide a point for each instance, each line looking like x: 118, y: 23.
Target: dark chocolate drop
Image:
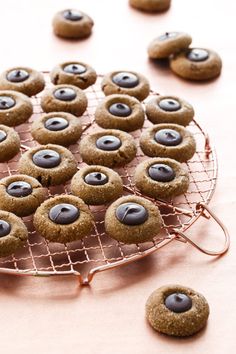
x: 96, y: 178
x: 169, y: 105
x: 125, y: 79
x: 167, y: 35
x: 108, y: 143
x: 168, y: 137
x: 6, y: 102
x: 120, y: 110
x: 178, y: 302
x: 64, y: 214
x: 46, y: 158
x: 65, y: 94
x: 75, y: 69
x: 56, y: 124
x: 72, y: 15
x: 17, y: 75
x: 3, y: 136
x: 161, y: 173
x: 131, y: 214
x: 5, y: 228
x: 19, y: 189
x: 197, y: 55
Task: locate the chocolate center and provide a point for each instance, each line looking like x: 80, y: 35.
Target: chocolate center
x: 108, y: 143
x: 3, y: 136
x: 5, y: 228
x: 120, y: 110
x: 6, y: 102
x: 19, y: 189
x: 197, y: 54
x: 161, y: 173
x: 72, y: 15
x: 65, y: 94
x: 46, y: 158
x: 56, y: 124
x: 131, y: 214
x: 169, y: 105
x: 17, y: 75
x: 96, y: 178
x: 178, y: 302
x: 75, y: 69
x: 64, y: 214
x: 167, y: 35
x: 168, y: 137
x: 125, y: 79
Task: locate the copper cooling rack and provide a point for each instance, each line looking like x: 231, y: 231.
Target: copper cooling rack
x: 98, y: 252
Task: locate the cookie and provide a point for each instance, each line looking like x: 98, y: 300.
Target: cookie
x: 177, y: 310
x: 57, y: 128
x: 161, y: 178
x: 22, y: 79
x: 168, y: 140
x: 168, y: 43
x: 13, y: 233
x: 15, y: 108
x: 97, y: 185
x: 120, y: 112
x: 132, y: 219
x: 63, y: 219
x: 64, y: 98
x: 151, y: 5
x: 109, y: 148
x: 9, y: 143
x: 126, y: 82
x: 73, y: 73
x: 72, y: 24
x: 196, y: 64
x: 169, y: 109
x: 21, y: 194
x: 49, y: 164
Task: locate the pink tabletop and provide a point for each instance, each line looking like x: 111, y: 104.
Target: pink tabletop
x: 56, y: 315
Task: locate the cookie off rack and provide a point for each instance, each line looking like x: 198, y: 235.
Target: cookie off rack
x: 98, y: 252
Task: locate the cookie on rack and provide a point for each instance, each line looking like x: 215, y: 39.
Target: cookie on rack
x: 126, y: 82
x: 122, y: 112
x: 72, y: 24
x: 74, y: 73
x: 97, y: 185
x: 63, y: 219
x: 168, y: 140
x: 59, y: 128
x: 169, y: 109
x: 64, y: 98
x: 108, y: 147
x: 177, y: 310
x: 9, y: 143
x: 13, y: 233
x: 49, y: 164
x: 151, y: 5
x: 22, y: 79
x: 161, y: 178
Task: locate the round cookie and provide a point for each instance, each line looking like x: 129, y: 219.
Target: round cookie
x: 63, y: 219
x: 97, y: 185
x: 57, y: 128
x: 169, y: 109
x: 132, y: 219
x: 15, y: 108
x: 109, y: 148
x: 168, y: 43
x: 161, y: 178
x: 177, y: 310
x: 13, y: 233
x: 120, y: 112
x: 21, y: 194
x: 126, y: 82
x: 64, y: 98
x: 22, y: 79
x: 168, y: 140
x: 73, y: 73
x: 196, y: 64
x: 9, y: 143
x: 72, y: 24
x: 49, y: 164
x: 151, y: 5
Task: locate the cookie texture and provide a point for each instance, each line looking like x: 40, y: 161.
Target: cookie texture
x: 72, y: 24
x: 64, y: 98
x: 180, y: 324
x: 131, y: 226
x: 126, y: 82
x: 117, y: 148
x: 22, y: 79
x: 13, y: 233
x: 97, y: 185
x: 169, y: 109
x: 120, y: 112
x: 151, y: 5
x: 74, y: 73
x: 196, y: 64
x: 21, y: 194
x: 168, y: 43
x: 57, y: 128
x: 9, y: 143
x: 62, y: 159
x: 182, y: 152
x: 152, y: 177
x: 51, y: 226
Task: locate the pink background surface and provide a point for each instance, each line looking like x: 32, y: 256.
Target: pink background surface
x: 55, y: 315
